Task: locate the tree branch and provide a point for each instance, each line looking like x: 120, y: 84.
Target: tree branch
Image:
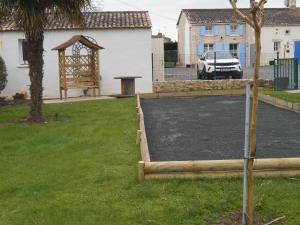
x: 262, y: 18
x: 276, y: 220
x: 244, y: 17
x: 261, y: 3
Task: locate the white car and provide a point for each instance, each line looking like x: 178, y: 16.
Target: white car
x: 225, y: 65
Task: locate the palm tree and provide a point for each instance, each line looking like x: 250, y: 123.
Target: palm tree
x: 32, y: 17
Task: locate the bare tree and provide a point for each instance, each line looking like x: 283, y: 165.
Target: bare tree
x: 255, y: 19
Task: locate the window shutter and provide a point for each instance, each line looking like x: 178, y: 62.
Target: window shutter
x: 241, y: 29
x: 219, y: 46
x: 243, y: 54
x: 226, y: 46
x: 215, y: 30
x: 202, y: 30
x: 228, y: 30
x: 200, y: 49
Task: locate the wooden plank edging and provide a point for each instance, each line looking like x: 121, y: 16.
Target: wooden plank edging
x: 220, y: 168
x: 221, y: 174
x: 142, y: 132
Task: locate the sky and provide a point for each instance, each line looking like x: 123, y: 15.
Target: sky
x: 164, y: 13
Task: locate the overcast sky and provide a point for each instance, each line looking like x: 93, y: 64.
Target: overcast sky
x: 164, y: 13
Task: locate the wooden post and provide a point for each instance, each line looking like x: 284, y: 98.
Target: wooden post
x: 60, y: 93
x: 141, y: 167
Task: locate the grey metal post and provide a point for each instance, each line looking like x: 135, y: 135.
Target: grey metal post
x: 215, y: 65
x: 246, y: 152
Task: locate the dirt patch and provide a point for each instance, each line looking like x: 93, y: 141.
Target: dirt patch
x: 12, y: 103
x: 235, y: 218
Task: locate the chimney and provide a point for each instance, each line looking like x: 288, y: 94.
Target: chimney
x: 290, y: 3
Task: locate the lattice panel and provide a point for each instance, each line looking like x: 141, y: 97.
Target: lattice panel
x: 79, y: 70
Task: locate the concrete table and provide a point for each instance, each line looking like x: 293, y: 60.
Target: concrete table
x: 127, y: 85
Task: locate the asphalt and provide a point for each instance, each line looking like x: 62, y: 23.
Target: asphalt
x: 212, y: 128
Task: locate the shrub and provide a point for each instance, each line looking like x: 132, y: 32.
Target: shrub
x: 3, y: 74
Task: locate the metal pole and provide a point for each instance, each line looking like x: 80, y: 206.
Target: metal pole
x: 246, y: 152
x: 215, y: 65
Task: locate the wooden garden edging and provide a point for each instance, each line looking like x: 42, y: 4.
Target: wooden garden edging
x: 142, y: 138
x: 220, y: 168
x: 272, y: 167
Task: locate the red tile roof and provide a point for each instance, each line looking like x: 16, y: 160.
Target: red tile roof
x: 94, y: 20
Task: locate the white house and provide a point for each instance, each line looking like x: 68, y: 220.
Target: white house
x: 200, y: 30
x: 125, y: 35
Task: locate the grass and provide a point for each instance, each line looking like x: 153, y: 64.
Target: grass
x: 291, y: 97
x: 82, y: 170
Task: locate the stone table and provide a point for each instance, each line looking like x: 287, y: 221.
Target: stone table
x: 127, y: 85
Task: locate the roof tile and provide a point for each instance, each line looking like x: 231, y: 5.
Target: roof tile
x: 273, y: 16
x: 94, y: 20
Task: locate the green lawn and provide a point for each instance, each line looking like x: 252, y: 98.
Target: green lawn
x: 291, y: 97
x: 82, y: 169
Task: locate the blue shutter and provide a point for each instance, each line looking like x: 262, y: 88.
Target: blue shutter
x: 200, y: 49
x: 241, y: 29
x: 218, y: 46
x: 202, y: 31
x: 215, y: 30
x: 228, y: 30
x: 226, y: 46
x: 243, y: 54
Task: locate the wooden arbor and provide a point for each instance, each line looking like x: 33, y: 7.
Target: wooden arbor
x: 81, y: 68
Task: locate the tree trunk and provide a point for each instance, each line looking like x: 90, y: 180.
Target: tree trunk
x: 35, y: 41
x: 250, y: 203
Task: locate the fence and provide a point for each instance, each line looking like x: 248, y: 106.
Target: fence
x: 184, y: 66
x: 285, y: 74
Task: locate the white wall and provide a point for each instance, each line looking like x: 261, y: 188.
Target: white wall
x: 158, y: 59
x: 127, y: 53
x: 271, y: 34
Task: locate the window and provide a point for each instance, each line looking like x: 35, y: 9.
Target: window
x: 276, y: 46
x: 208, y: 47
x: 233, y: 48
x: 208, y: 30
x: 234, y: 28
x: 23, y: 52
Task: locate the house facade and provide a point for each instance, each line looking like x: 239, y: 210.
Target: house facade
x: 200, y: 30
x: 125, y: 35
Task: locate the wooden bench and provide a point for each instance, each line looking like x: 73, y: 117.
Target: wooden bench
x: 83, y: 82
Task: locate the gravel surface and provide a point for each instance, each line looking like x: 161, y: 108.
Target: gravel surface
x: 212, y: 128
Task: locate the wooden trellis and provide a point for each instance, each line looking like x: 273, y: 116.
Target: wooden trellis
x: 81, y: 69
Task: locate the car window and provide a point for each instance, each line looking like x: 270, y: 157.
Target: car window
x: 219, y: 55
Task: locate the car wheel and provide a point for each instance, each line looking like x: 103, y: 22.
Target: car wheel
x: 198, y: 73
x: 204, y: 75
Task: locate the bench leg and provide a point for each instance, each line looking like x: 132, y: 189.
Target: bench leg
x: 60, y: 93
x: 94, y: 92
x: 66, y: 94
